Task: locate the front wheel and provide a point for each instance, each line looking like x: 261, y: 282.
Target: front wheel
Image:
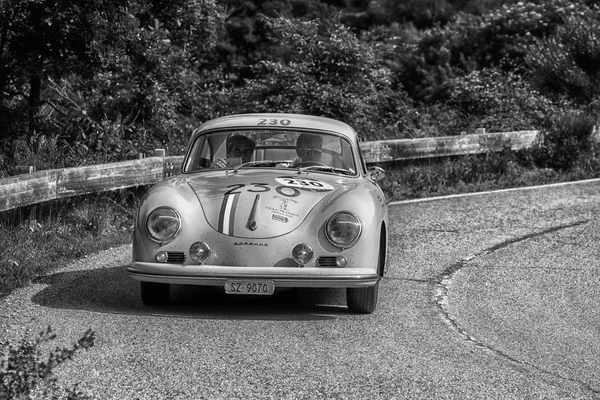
x: 362, y: 300
x: 155, y: 294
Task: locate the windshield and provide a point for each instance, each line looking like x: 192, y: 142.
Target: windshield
x: 271, y: 149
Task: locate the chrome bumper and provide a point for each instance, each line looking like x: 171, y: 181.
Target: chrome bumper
x: 281, y: 277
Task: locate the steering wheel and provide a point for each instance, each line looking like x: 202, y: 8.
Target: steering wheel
x: 309, y: 164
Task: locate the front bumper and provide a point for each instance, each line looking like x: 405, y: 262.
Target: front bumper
x: 207, y: 275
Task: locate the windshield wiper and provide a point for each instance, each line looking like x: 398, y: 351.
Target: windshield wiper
x: 264, y: 163
x: 327, y: 168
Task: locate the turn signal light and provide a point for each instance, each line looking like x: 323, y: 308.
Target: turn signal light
x: 162, y: 257
x: 302, y: 254
x: 199, y: 252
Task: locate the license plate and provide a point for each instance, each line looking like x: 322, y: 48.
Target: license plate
x: 250, y: 287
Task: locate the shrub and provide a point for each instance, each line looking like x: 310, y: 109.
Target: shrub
x: 568, y: 62
x: 502, y: 36
x: 24, y: 374
x: 463, y: 174
x: 424, y: 68
x: 566, y: 141
x: 499, y: 101
x: 497, y: 39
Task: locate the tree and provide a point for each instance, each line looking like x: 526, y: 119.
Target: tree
x: 149, y: 79
x: 322, y: 68
x: 41, y: 39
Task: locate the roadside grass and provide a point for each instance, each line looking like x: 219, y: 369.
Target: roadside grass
x: 38, y: 239
x: 478, y: 173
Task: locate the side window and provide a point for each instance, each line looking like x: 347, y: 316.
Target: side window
x: 193, y: 160
x: 200, y: 155
x: 347, y: 156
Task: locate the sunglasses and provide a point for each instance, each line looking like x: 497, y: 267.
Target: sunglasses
x: 306, y: 152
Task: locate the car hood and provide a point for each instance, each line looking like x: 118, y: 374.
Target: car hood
x: 254, y: 204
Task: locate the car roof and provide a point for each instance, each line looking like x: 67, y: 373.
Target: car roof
x: 279, y: 120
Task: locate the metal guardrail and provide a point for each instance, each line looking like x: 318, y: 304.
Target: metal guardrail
x: 23, y: 190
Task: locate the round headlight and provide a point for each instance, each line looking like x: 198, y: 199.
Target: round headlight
x: 343, y: 229
x: 163, y: 224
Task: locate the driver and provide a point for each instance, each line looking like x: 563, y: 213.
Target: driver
x: 309, y: 148
x: 236, y: 146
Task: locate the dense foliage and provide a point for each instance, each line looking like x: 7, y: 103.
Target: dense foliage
x: 98, y: 81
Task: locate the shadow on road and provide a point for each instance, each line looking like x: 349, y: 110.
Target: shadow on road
x: 111, y: 290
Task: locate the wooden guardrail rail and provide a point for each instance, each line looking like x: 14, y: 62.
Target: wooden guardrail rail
x: 37, y: 187
x: 407, y: 149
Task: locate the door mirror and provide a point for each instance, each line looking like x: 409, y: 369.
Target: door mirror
x: 376, y: 173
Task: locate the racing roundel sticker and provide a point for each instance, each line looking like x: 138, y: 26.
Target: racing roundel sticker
x: 305, y: 184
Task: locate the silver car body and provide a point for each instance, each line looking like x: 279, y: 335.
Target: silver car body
x: 258, y: 223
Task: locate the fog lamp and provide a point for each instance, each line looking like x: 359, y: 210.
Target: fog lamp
x: 302, y: 254
x: 162, y: 257
x: 199, y: 252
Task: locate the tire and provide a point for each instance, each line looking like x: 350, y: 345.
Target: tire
x: 362, y: 300
x: 155, y: 294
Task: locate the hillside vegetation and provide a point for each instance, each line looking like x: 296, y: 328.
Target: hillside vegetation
x: 97, y: 81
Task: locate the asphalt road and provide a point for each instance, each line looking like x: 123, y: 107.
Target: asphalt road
x: 488, y: 296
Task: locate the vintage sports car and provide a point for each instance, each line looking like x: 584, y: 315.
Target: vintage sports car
x: 264, y: 202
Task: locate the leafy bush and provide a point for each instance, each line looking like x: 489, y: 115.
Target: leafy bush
x: 24, y: 374
x: 568, y: 62
x: 423, y: 66
x: 499, y: 38
x: 499, y: 102
x: 567, y: 141
x: 423, y: 13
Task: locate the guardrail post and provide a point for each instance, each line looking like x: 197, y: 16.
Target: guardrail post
x: 168, y: 168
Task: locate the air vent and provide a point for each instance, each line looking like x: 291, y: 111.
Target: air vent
x: 327, y: 262
x: 175, y: 257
